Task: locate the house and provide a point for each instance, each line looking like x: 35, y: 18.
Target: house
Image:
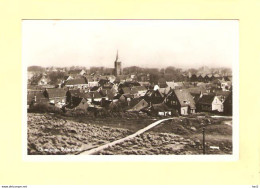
x: 108, y: 85
x: 92, y: 82
x: 126, y: 97
x: 178, y: 85
x: 125, y: 90
x: 141, y: 104
x: 43, y: 81
x: 201, y: 78
x: 164, y: 91
x: 105, y: 93
x: 80, y: 83
x: 138, y: 91
x: 121, y: 78
x: 162, y: 83
x: 96, y: 88
x: 36, y: 98
x: 197, y: 92
x: 209, y: 78
x: 181, y: 100
x: 56, y: 96
x: 78, y: 103
x: 170, y: 84
x: 193, y: 78
x: 145, y: 84
x: 66, y: 78
x: 228, y: 105
x: 95, y: 96
x: 115, y: 97
x: 141, y: 90
x: 210, y: 103
x: 223, y: 94
x: 226, y: 85
x: 72, y: 95
x: 102, y: 82
x: 154, y: 96
x: 161, y: 110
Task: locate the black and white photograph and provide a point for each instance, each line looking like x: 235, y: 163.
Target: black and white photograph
x: 130, y: 87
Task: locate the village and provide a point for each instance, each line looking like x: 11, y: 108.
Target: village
x: 78, y: 90
x: 73, y: 108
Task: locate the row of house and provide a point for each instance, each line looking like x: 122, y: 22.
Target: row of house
x: 137, y: 99
x: 208, y: 77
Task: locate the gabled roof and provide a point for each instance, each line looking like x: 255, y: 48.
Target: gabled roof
x: 128, y: 95
x: 217, y: 75
x: 76, y: 102
x: 74, y: 92
x: 196, y: 90
x: 77, y: 81
x: 138, y: 104
x: 164, y: 91
x: 56, y: 92
x: 184, y: 97
x: 134, y: 90
x: 206, y: 99
x: 66, y: 77
x: 117, y: 96
x: 95, y: 88
x: 160, y: 107
x: 222, y: 93
x: 126, y: 90
x: 151, y: 92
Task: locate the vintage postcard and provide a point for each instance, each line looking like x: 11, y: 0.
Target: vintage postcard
x: 130, y: 89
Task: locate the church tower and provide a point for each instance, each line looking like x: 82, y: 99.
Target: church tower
x: 118, y: 66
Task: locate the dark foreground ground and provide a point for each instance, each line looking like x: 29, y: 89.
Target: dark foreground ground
x: 50, y: 134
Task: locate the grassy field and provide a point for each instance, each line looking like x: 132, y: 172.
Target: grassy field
x: 133, y: 124
x: 50, y: 133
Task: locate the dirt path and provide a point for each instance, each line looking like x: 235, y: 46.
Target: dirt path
x: 96, y: 150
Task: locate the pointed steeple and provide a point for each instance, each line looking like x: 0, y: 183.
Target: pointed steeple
x: 117, y: 56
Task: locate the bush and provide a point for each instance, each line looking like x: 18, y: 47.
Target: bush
x: 78, y: 112
x: 43, y: 108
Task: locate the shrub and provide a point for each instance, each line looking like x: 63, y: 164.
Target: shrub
x: 43, y: 108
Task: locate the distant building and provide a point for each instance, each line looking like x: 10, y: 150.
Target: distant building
x: 118, y: 66
x: 80, y: 83
x: 76, y: 72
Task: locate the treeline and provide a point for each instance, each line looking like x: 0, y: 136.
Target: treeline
x: 36, y: 68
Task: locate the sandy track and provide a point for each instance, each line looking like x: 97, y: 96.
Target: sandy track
x: 100, y: 148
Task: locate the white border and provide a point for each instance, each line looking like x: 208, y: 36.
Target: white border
x: 139, y: 158
x: 138, y: 186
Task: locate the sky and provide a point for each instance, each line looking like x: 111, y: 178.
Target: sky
x: 143, y: 43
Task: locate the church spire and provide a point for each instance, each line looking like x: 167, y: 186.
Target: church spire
x: 117, y: 56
